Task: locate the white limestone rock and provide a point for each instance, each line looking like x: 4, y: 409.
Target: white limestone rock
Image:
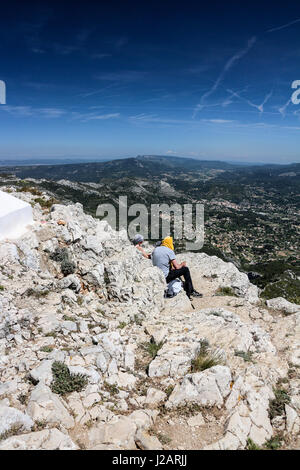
x: 11, y: 418
x: 207, y: 388
x: 43, y: 372
x: 292, y: 420
x: 145, y: 441
x: 47, y: 439
x: 283, y: 305
x: 46, y: 406
x: 154, y: 397
x: 196, y: 420
x: 225, y: 274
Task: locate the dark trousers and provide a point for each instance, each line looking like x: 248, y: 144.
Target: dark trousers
x: 185, y: 272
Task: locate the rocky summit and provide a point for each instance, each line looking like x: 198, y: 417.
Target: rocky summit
x: 92, y: 356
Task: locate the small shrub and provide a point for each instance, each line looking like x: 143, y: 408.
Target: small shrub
x: 67, y: 267
x: 205, y: 359
x: 69, y: 318
x: 13, y: 431
x: 169, y: 390
x: 252, y: 446
x: 282, y: 380
x: 23, y: 399
x: 165, y: 440
x: 277, y: 404
x: 45, y: 204
x: 247, y: 356
x: 152, y: 348
x: 225, y: 291
x: 60, y: 254
x: 39, y: 425
x: 2, y: 287
x: 274, y: 443
x: 122, y: 325
x: 52, y: 334
x: 46, y: 349
x: 111, y: 388
x: 65, y: 382
x: 138, y: 320
x: 36, y: 293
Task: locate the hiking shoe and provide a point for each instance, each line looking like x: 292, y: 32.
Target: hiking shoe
x: 196, y: 294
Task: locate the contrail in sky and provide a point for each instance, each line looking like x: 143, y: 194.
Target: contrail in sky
x: 229, y: 64
x: 283, y: 108
x: 260, y: 107
x: 283, y: 26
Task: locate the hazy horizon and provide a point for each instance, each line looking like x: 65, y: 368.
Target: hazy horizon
x: 69, y: 160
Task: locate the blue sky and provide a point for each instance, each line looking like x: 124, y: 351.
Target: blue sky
x: 116, y: 79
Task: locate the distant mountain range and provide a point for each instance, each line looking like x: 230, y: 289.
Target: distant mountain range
x: 251, y: 212
x: 146, y: 166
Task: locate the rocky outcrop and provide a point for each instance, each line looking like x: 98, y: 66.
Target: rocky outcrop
x: 75, y: 292
x: 207, y: 388
x: 225, y: 274
x: 283, y: 305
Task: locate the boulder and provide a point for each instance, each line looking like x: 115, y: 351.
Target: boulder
x: 283, y: 305
x: 14, y: 420
x: 45, y: 406
x: 47, y: 439
x: 207, y: 388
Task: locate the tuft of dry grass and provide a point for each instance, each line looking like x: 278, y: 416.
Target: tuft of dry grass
x: 205, y: 358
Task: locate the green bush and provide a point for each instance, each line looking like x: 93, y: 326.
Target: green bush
x: 247, y: 356
x: 45, y: 204
x: 274, y: 443
x: 252, y: 446
x: 64, y: 382
x: 285, y: 287
x: 153, y: 348
x: 277, y: 404
x: 61, y: 255
x: 67, y: 267
x: 46, y: 349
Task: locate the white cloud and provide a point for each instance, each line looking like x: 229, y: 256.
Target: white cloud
x: 85, y: 117
x: 218, y: 121
x: 29, y: 111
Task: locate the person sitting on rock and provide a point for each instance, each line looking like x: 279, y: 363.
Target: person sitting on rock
x: 137, y: 241
x: 164, y: 258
